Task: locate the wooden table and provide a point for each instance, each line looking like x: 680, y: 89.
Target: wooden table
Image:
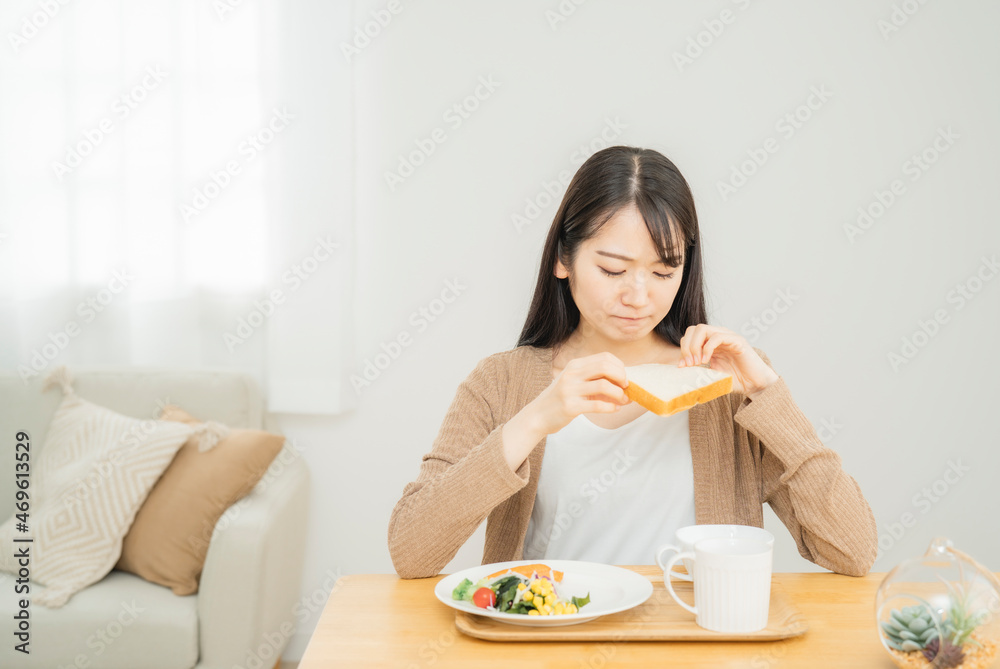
x: 380, y: 620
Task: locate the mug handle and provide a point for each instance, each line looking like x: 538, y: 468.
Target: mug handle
x: 670, y: 577
x: 659, y: 562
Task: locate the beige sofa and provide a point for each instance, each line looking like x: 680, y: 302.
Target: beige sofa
x: 242, y: 615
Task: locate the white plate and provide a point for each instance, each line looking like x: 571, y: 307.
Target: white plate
x: 612, y: 589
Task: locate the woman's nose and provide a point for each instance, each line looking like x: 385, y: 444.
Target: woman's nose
x: 634, y: 292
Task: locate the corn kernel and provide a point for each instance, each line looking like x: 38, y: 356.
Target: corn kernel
x: 550, y: 600
x: 548, y: 610
x: 533, y: 612
x: 521, y: 586
x: 571, y: 608
x: 528, y: 596
x: 560, y: 609
x: 536, y: 587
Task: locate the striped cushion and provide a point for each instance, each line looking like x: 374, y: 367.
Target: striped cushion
x: 92, y: 475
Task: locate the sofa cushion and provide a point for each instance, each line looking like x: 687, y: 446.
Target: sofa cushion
x: 169, y: 539
x: 93, y: 474
x: 229, y: 397
x: 109, y: 624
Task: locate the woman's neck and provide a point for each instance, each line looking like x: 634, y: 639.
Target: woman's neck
x: 648, y: 349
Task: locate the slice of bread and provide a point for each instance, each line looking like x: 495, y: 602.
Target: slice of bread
x: 669, y: 389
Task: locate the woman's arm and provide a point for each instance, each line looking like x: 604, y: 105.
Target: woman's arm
x: 461, y: 480
x: 822, y: 507
x: 479, y: 460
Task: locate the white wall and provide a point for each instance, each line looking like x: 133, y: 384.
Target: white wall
x: 853, y: 301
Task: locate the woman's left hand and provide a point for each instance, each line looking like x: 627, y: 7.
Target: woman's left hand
x: 728, y: 352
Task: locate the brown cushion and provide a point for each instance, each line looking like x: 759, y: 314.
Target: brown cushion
x: 169, y: 538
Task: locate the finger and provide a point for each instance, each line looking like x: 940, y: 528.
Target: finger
x: 684, y: 345
x: 603, y: 388
x: 713, y: 342
x: 607, y: 366
x: 723, y: 337
x: 597, y: 406
x: 697, y: 341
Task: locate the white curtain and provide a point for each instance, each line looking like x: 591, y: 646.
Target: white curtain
x: 176, y: 190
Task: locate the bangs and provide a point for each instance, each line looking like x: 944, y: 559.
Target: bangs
x: 667, y: 234
x: 668, y: 237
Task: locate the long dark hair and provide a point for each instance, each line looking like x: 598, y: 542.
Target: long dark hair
x: 609, y: 180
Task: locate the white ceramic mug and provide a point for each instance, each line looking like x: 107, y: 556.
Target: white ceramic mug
x: 732, y: 584
x: 687, y: 536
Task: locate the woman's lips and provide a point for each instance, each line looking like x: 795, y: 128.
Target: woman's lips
x: 631, y: 320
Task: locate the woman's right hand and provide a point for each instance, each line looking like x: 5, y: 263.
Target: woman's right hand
x: 593, y: 384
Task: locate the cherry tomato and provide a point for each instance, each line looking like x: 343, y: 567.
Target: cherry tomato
x: 484, y: 597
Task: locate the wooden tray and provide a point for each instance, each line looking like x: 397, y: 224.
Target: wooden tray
x: 659, y: 618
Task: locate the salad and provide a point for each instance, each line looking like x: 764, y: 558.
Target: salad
x: 528, y: 589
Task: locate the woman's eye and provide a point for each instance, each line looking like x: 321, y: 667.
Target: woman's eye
x: 656, y: 274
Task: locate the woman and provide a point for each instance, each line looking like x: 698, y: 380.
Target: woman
x: 542, y: 442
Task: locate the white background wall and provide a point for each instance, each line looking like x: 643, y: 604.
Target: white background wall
x: 854, y: 299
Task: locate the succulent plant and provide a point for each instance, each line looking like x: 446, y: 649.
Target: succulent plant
x: 960, y: 623
x: 944, y: 657
x: 910, y: 628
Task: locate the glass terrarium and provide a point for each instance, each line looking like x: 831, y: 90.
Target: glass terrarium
x: 940, y: 610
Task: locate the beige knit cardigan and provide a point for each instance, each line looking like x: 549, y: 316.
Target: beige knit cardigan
x: 744, y: 453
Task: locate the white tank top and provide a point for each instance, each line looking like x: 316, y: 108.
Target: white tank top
x: 612, y: 495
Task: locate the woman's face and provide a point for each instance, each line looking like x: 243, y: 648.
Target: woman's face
x: 620, y: 285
